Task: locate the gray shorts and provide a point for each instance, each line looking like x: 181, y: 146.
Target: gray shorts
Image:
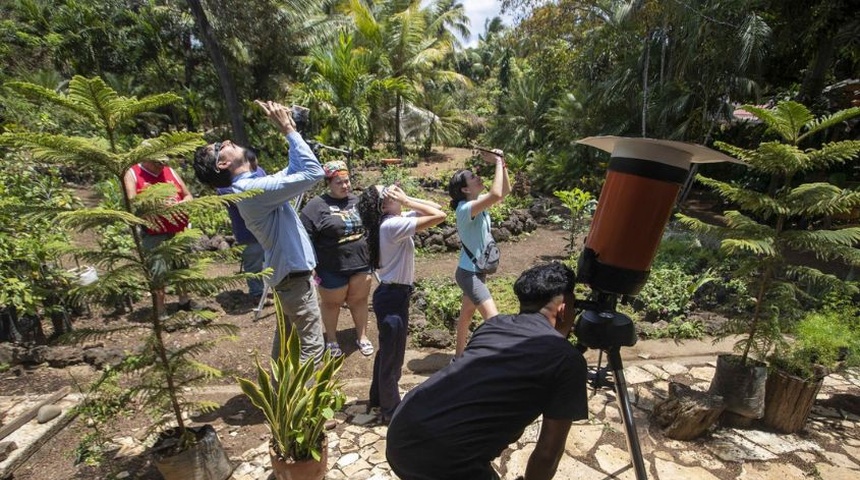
x: 473, y: 285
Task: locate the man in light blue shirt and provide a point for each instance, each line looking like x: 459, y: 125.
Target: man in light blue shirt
x: 274, y: 222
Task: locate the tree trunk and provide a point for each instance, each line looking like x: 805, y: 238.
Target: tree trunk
x: 788, y: 401
x: 398, y: 138
x: 687, y: 414
x: 228, y: 87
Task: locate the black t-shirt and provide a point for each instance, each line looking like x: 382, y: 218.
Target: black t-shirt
x: 336, y: 232
x: 514, y: 368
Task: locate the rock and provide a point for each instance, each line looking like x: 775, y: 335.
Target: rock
x: 501, y: 234
x: 47, y: 413
x: 435, y: 338
x: 6, y: 448
x: 63, y: 356
x: 452, y: 242
x: 100, y: 357
x: 8, y: 354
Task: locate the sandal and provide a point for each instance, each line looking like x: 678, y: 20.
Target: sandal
x: 334, y: 348
x: 365, y: 347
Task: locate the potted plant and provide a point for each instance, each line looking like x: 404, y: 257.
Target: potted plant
x: 297, y: 399
x: 161, y: 372
x: 772, y: 222
x: 823, y: 343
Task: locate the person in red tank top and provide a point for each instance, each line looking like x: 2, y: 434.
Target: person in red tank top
x: 138, y: 178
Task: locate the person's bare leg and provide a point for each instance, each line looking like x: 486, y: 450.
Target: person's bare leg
x: 464, y: 321
x: 356, y: 299
x: 487, y: 309
x: 330, y: 302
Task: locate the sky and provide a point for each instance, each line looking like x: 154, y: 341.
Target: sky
x: 478, y: 11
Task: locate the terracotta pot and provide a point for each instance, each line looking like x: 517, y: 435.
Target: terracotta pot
x: 205, y: 460
x: 391, y: 161
x: 301, y: 470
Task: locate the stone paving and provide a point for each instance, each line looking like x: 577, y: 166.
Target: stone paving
x: 829, y: 448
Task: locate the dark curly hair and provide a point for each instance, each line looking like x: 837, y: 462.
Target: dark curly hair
x: 370, y: 211
x: 455, y: 188
x: 538, y: 285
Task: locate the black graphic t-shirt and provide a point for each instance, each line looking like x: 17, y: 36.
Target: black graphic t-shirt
x: 337, y: 233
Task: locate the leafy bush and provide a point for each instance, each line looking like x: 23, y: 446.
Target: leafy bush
x: 823, y: 342
x: 439, y: 299
x: 669, y: 292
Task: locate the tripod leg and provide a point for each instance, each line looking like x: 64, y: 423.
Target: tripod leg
x: 633, y: 447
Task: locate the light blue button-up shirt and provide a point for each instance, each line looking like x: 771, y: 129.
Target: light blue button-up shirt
x: 271, y: 218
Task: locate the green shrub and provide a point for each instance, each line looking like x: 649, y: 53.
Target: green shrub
x: 821, y: 339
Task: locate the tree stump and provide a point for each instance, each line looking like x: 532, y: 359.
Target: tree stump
x: 686, y: 414
x: 788, y: 401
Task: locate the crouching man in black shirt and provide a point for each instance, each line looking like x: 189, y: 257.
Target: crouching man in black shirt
x: 514, y: 368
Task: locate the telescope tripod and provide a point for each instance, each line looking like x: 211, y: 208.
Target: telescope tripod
x: 599, y: 379
x: 606, y: 330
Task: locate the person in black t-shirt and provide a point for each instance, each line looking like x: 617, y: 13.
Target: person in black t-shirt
x: 514, y: 368
x: 343, y: 263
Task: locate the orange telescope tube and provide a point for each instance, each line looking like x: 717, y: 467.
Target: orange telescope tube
x: 642, y: 184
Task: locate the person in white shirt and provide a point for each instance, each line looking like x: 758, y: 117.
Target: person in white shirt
x: 392, y: 256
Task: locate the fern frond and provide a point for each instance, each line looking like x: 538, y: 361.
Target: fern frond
x: 207, y: 371
x: 128, y: 108
x: 39, y: 92
x: 743, y: 225
x: 822, y: 123
x: 816, y: 239
x: 95, y: 95
x: 821, y: 199
x: 813, y: 277
x: 834, y: 153
x: 63, y: 150
x: 761, y: 248
x: 702, y: 228
x: 749, y: 200
x: 786, y: 119
x: 209, y: 203
x: 770, y: 157
x: 86, y: 219
x: 187, y: 352
x: 166, y: 145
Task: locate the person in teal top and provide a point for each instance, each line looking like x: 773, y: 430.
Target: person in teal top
x: 473, y: 227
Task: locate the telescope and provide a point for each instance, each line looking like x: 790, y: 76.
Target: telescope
x: 642, y: 184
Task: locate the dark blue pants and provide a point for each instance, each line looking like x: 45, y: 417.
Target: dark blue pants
x: 391, y: 306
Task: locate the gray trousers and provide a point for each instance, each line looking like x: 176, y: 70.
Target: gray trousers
x: 298, y: 298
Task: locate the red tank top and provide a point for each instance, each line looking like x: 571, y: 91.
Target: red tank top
x: 144, y: 178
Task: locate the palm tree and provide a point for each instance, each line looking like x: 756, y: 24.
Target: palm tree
x: 402, y: 45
